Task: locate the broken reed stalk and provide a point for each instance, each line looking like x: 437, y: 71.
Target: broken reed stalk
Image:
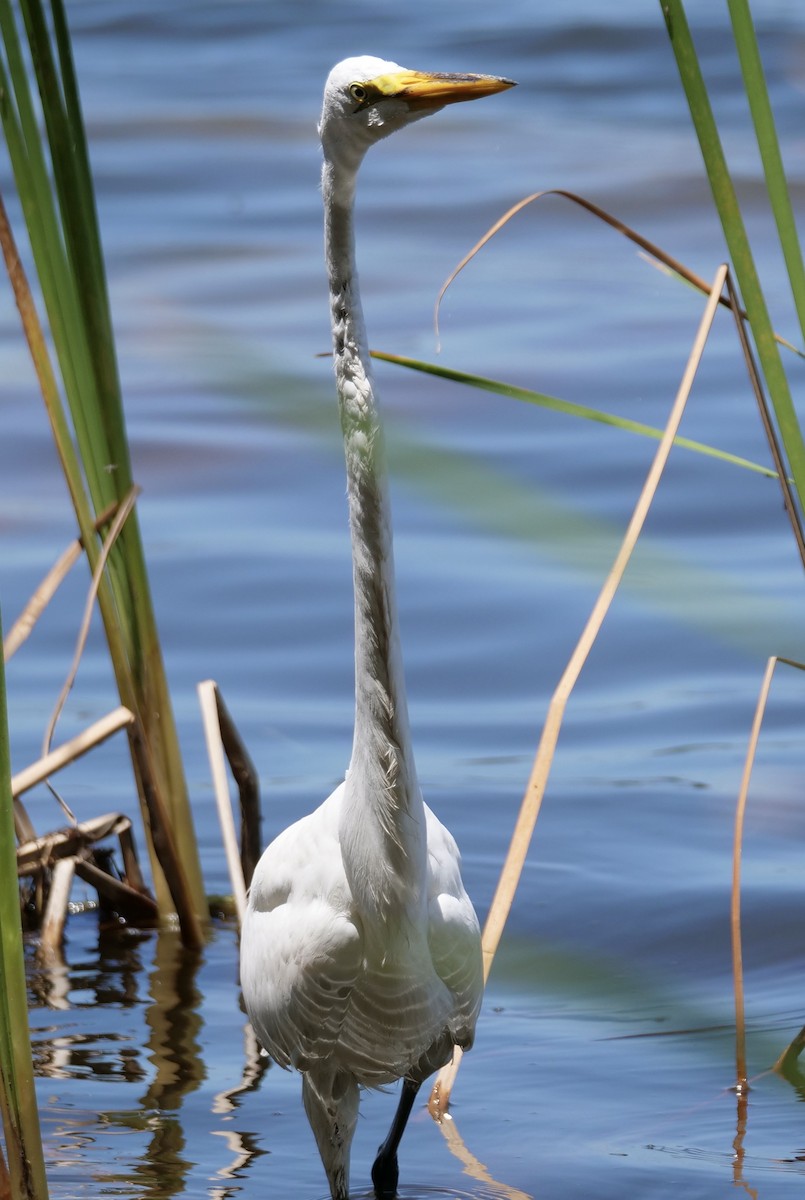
x: 93, y: 735
x: 535, y: 789
x: 23, y: 1142
x: 207, y: 696
x: 248, y: 785
x: 74, y: 851
x: 23, y: 627
x: 223, y: 740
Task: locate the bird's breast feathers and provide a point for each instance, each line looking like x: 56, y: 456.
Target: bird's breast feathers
x: 320, y: 985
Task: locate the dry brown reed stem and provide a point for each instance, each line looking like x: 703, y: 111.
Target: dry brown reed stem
x: 535, y: 789
x: 789, y: 502
x: 122, y: 513
x: 741, y: 1085
x: 72, y: 851
x: 735, y: 898
x: 729, y: 300
x: 656, y: 252
x: 248, y: 784
x: 93, y: 735
x: 207, y: 697
x: 23, y: 626
x: 51, y: 933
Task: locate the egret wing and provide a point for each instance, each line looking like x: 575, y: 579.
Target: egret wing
x: 454, y: 936
x: 300, y: 948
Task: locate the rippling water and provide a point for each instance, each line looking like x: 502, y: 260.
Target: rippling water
x: 605, y: 1050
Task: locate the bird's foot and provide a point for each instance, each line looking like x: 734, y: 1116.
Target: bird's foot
x: 385, y: 1174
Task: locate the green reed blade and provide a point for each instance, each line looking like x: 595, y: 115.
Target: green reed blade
x: 73, y: 180
x: 769, y: 146
x: 23, y: 1140
x: 568, y: 407
x: 59, y: 289
x: 65, y: 242
x: 738, y: 245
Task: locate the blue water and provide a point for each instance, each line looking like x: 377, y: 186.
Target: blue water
x: 605, y: 1051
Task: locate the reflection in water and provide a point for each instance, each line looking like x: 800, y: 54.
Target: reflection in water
x: 161, y: 1027
x: 170, y: 1054
x: 243, y: 1146
x: 473, y: 1167
x: 742, y: 1096
x: 244, y: 1149
x: 110, y: 977
x: 174, y: 1020
x: 121, y: 1017
x: 255, y: 1064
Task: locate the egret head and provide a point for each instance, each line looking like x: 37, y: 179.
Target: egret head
x: 366, y: 99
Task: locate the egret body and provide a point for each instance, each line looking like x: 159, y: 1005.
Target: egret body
x: 360, y: 949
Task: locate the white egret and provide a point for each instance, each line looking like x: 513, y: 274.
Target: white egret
x: 360, y: 951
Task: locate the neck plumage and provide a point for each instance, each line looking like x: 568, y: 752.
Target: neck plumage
x: 382, y: 782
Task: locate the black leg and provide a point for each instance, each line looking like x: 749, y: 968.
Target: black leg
x: 385, y: 1171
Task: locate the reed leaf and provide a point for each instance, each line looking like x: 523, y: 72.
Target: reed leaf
x: 732, y: 222
x: 568, y: 407
x: 757, y: 94
x: 23, y: 1141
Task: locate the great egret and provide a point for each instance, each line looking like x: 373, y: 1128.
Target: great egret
x: 360, y: 949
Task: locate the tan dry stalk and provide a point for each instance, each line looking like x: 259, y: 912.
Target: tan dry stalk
x: 92, y: 736
x: 208, y: 700
x: 123, y: 510
x: 23, y: 626
x: 742, y: 1085
x: 650, y: 248
x: 735, y: 898
x: 51, y: 934
x: 535, y: 789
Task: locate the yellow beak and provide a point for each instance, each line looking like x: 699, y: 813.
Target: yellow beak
x: 419, y: 88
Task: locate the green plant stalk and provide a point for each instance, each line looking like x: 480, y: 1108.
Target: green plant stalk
x: 76, y: 486
x: 23, y: 1139
x: 555, y: 404
x: 62, y: 255
x: 769, y: 147
x: 66, y: 247
x: 726, y: 202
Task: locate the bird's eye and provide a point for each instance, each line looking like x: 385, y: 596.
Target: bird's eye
x: 358, y: 92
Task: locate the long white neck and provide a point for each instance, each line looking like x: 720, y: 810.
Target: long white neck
x: 383, y: 838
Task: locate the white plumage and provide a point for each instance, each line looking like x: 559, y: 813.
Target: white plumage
x: 360, y: 949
